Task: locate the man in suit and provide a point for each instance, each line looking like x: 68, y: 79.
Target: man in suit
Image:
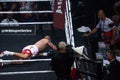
x: 114, y: 67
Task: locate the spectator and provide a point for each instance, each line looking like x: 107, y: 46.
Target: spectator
x: 1, y: 8
x: 116, y: 31
x: 10, y: 19
x: 52, y: 4
x: 114, y: 66
x: 45, y: 17
x: 116, y: 34
x: 62, y: 61
x: 5, y: 6
x: 105, y: 26
x: 27, y: 6
x: 116, y: 7
x: 42, y: 6
x: 10, y: 6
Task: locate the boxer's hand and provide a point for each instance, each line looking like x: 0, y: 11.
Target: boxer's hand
x: 50, y: 53
x: 1, y: 64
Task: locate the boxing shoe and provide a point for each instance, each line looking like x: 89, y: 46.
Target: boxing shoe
x: 1, y: 63
x: 6, y: 53
x: 1, y: 54
x: 50, y: 53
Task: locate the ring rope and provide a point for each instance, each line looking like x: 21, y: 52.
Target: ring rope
x: 5, y: 12
x: 28, y: 60
x: 24, y: 23
x: 25, y: 72
x: 22, y: 0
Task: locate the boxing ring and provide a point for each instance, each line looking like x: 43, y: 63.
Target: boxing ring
x: 39, y: 69
x: 33, y: 69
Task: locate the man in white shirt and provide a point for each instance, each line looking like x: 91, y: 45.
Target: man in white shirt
x: 9, y: 20
x: 105, y: 24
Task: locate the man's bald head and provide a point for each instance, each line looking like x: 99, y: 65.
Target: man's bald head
x: 62, y: 45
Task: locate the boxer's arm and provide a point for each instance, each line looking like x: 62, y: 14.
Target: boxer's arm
x: 52, y: 45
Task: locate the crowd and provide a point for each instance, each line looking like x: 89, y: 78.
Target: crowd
x: 105, y: 30
x: 108, y: 33
x: 24, y: 17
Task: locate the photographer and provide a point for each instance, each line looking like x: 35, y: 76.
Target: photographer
x: 62, y: 61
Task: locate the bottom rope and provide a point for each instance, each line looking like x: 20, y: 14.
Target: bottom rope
x: 25, y: 72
